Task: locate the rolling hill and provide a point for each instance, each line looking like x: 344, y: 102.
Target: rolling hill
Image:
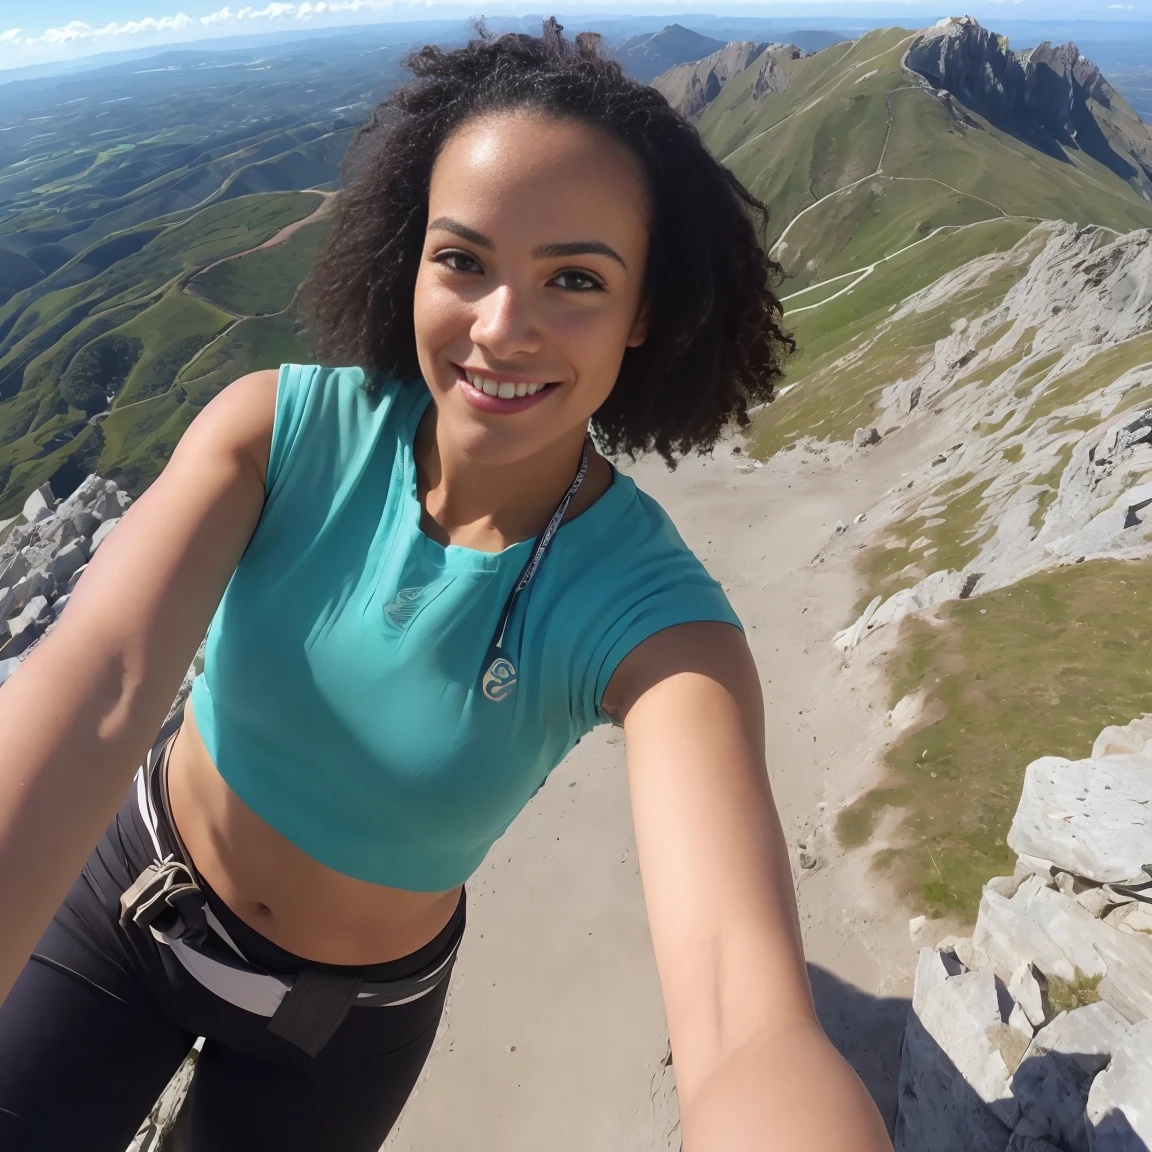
x: 859, y: 156
x: 154, y: 226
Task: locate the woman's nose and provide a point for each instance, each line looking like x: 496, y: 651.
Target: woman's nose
x: 505, y: 324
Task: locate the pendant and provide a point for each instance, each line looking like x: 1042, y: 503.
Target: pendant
x: 500, y: 680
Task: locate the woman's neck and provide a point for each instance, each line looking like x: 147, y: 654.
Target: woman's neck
x: 489, y: 507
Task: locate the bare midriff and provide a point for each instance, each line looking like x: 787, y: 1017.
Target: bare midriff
x: 283, y: 893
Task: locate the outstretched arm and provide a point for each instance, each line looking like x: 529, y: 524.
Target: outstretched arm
x: 754, y: 1070
x: 79, y: 714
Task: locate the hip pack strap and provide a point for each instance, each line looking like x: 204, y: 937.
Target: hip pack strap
x: 167, y: 898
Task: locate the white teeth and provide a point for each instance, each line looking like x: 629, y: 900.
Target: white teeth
x: 504, y: 389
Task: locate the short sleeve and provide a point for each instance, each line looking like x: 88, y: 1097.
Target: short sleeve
x: 292, y: 388
x: 657, y: 583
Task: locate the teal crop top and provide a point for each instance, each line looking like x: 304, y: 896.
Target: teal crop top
x: 340, y: 697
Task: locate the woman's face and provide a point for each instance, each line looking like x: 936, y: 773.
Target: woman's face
x: 529, y: 288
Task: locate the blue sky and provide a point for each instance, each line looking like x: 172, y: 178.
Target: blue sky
x: 39, y: 31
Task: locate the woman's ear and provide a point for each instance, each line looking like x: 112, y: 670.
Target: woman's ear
x: 639, y: 327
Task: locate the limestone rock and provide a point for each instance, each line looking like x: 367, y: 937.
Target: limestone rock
x: 1089, y: 817
x: 1054, y: 1077
x: 928, y: 593
x: 865, y: 438
x: 1120, y: 739
x: 13, y: 570
x: 39, y: 504
x: 101, y: 533
x: 1119, y: 1111
x: 952, y: 1074
x: 67, y: 561
x: 1024, y: 988
x: 691, y: 87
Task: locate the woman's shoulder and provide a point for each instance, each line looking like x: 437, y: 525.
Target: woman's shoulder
x: 334, y: 414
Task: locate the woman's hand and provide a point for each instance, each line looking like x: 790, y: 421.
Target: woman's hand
x: 754, y: 1070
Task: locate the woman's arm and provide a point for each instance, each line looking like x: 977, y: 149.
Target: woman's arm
x: 79, y: 714
x: 754, y: 1070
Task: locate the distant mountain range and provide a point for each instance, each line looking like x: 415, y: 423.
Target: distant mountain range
x: 156, y: 217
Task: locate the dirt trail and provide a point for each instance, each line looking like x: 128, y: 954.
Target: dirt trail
x: 326, y: 205
x: 554, y: 1035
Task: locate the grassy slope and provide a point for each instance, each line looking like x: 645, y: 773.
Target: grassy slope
x: 839, y: 388
x: 262, y: 282
x: 142, y: 295
x: 826, y: 132
x: 1032, y: 670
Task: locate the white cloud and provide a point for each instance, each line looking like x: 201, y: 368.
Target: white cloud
x: 283, y: 11
x: 77, y: 31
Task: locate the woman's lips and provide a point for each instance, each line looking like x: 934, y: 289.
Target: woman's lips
x: 498, y: 404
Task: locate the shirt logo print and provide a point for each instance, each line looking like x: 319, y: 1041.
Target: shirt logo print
x: 500, y: 679
x: 404, y: 607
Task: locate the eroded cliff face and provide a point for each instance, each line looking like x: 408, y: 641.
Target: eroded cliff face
x: 690, y: 88
x: 1049, y: 96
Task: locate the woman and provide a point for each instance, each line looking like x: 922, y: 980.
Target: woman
x: 424, y: 585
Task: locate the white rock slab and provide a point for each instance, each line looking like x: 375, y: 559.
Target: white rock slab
x: 1044, y: 927
x: 39, y: 502
x: 1024, y: 988
x: 952, y: 1074
x: 101, y: 533
x: 1120, y: 1101
x: 1089, y: 817
x: 1056, y: 1073
x: 1118, y: 739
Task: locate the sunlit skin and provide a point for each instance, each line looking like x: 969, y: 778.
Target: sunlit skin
x: 498, y: 300
x: 532, y: 271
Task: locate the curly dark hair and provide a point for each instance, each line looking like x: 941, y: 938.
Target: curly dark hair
x: 714, y: 342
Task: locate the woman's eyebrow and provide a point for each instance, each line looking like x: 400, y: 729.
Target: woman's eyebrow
x: 544, y: 252
x: 578, y: 248
x: 446, y: 224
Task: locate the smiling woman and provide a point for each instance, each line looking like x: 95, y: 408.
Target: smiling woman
x: 422, y: 583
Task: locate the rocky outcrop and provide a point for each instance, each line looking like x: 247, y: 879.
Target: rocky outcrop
x: 1035, y: 1033
x: 1084, y: 291
x: 44, y: 553
x: 1051, y: 97
x: 690, y: 88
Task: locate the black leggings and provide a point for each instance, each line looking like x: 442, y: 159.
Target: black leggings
x: 102, y: 1016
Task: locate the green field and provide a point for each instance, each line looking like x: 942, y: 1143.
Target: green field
x: 1033, y: 670
x: 262, y: 282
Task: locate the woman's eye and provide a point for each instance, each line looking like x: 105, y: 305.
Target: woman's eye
x: 576, y: 281
x: 458, y: 261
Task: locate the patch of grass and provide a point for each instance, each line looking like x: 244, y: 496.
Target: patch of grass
x: 1050, y: 483
x: 262, y: 282
x: 1026, y: 671
x: 1013, y: 453
x: 1071, y: 387
x: 891, y: 565
x: 1035, y: 372
x: 254, y: 344
x: 1068, y: 995
x: 172, y: 331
